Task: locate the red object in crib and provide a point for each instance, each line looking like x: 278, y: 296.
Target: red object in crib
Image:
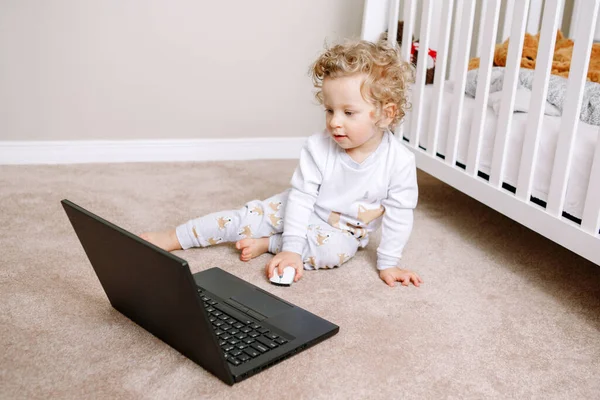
x: 414, y: 49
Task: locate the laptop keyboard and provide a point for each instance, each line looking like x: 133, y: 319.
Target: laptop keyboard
x: 241, y: 339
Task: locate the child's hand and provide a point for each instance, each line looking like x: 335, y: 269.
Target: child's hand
x: 404, y: 276
x: 284, y: 259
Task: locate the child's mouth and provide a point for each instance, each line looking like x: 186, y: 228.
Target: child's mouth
x: 339, y: 137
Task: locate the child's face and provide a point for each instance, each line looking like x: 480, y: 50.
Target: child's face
x: 350, y: 118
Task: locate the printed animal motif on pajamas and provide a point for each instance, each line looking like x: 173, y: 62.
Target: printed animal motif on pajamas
x: 257, y: 210
x: 334, y: 219
x: 275, y: 220
x: 367, y: 216
x: 322, y: 239
x: 275, y: 206
x: 343, y: 258
x: 213, y: 241
x: 357, y: 231
x: 246, y: 231
x: 223, y: 221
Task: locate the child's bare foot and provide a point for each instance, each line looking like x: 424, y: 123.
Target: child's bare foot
x: 250, y: 248
x: 166, y: 240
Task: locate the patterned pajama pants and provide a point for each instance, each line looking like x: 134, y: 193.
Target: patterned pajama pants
x: 327, y: 247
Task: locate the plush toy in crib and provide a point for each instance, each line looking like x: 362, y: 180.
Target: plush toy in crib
x: 414, y: 53
x: 561, y: 61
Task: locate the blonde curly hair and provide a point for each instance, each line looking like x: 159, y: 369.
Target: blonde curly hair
x: 387, y: 75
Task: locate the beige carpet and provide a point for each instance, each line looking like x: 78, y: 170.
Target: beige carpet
x: 503, y: 313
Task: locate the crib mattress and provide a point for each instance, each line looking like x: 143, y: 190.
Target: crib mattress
x: 584, y: 147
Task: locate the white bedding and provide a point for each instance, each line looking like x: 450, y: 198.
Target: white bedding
x: 585, y: 143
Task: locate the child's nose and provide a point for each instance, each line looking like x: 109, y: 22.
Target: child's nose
x: 334, y: 122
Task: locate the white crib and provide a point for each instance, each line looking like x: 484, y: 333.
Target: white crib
x: 542, y: 171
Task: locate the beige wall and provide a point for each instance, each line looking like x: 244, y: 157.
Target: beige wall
x: 148, y: 69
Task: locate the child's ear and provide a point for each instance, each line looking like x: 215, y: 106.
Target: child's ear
x: 388, y: 112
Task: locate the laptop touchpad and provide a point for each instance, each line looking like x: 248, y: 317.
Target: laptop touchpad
x: 262, y: 303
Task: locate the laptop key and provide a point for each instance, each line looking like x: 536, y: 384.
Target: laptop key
x: 267, y: 342
x: 234, y: 361
x: 243, y: 357
x: 251, y: 352
x: 271, y: 335
x: 260, y: 347
x: 228, y: 347
x: 281, y: 340
x: 236, y: 353
x: 232, y: 312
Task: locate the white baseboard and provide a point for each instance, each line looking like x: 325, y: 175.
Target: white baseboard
x: 114, y: 151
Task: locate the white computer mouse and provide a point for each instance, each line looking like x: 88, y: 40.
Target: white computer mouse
x: 286, y: 279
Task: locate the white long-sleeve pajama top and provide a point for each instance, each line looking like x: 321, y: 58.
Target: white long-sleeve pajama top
x: 359, y: 198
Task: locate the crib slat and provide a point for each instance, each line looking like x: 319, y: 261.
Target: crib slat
x: 570, y: 118
x: 393, y: 22
x: 466, y: 31
x: 590, y: 221
x: 410, y: 7
x: 574, y: 18
x: 490, y: 26
x: 421, y: 74
x: 408, y: 15
x: 535, y: 14
x: 481, y: 28
x: 509, y: 90
x: 439, y: 78
x: 508, y: 15
x: 538, y: 96
x: 561, y: 11
x: 455, y: 38
x: 373, y: 23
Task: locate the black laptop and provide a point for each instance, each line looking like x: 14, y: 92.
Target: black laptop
x: 228, y: 326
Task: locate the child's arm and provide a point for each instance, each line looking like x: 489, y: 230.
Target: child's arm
x: 305, y: 182
x: 397, y: 223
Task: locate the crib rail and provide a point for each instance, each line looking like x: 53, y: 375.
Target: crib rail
x: 451, y: 26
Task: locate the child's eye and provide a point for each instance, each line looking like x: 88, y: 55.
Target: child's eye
x: 349, y: 113
x: 328, y: 111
